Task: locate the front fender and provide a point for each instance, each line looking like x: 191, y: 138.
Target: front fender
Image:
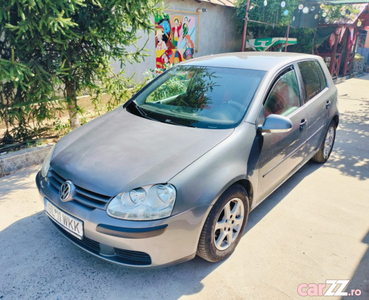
x: 203, y: 181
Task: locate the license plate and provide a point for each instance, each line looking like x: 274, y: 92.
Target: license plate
x: 69, y: 223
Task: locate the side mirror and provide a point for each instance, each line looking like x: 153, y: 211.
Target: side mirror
x: 276, y: 124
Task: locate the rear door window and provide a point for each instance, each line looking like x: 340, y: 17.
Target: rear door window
x: 313, y: 78
x: 323, y: 81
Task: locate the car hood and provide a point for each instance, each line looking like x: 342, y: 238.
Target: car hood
x: 120, y: 151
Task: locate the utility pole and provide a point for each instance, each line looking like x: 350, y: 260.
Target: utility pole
x: 245, y: 28
x: 288, y: 33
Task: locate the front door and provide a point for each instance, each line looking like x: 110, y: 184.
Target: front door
x: 281, y: 153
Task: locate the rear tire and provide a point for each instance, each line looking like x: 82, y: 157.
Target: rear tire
x: 224, y: 225
x: 327, y: 145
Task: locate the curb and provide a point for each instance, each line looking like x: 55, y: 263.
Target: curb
x: 15, y: 161
x: 339, y: 80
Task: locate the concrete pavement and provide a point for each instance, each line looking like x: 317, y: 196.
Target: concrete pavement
x: 312, y: 229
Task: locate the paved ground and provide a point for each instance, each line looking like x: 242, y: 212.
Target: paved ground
x: 314, y: 228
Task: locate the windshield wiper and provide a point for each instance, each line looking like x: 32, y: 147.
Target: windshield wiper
x: 140, y: 110
x: 169, y: 121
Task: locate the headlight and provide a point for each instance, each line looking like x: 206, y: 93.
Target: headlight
x: 46, y: 165
x: 146, y: 203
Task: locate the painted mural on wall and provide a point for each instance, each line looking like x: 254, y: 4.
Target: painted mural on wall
x: 175, y: 35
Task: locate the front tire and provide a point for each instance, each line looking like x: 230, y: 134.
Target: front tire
x: 327, y: 145
x: 224, y: 225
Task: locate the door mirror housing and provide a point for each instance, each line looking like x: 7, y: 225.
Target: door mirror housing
x: 276, y: 124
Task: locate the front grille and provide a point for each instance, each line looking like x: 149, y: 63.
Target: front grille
x: 123, y: 256
x: 83, y: 196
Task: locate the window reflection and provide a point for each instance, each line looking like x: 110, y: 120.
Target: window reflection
x: 200, y: 96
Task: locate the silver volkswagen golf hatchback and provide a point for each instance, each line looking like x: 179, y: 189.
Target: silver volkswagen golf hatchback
x: 175, y: 172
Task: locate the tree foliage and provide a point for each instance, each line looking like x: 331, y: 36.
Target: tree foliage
x: 55, y: 48
x: 268, y: 12
x: 275, y: 16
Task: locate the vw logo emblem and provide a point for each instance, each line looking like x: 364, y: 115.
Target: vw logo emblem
x: 66, y: 191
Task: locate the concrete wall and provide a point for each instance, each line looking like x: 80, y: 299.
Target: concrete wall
x: 217, y: 34
x: 364, y: 52
x: 17, y: 160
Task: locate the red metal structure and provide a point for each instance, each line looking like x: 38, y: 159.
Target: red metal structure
x: 343, y: 40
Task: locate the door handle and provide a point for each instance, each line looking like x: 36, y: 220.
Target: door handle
x: 303, y: 123
x: 327, y: 104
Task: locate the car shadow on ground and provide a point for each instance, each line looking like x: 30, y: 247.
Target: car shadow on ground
x: 40, y: 263
x: 351, y: 155
x: 278, y: 195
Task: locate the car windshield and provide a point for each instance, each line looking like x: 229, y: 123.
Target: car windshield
x: 200, y: 97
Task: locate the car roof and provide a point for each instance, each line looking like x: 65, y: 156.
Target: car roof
x: 248, y: 60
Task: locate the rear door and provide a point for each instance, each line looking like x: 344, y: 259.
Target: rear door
x: 316, y: 100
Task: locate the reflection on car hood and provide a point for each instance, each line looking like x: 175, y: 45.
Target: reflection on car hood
x: 120, y: 151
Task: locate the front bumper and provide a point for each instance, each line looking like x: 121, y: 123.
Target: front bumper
x: 131, y: 243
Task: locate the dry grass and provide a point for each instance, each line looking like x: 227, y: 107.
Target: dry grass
x: 62, y: 117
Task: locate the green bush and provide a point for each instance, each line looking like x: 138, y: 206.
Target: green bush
x: 51, y: 50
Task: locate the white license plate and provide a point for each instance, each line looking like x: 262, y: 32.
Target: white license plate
x: 69, y: 223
